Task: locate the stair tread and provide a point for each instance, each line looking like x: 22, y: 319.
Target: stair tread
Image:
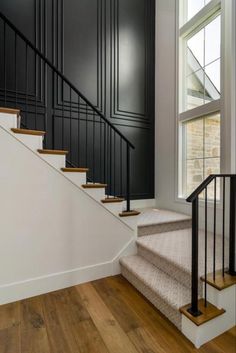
x: 154, y: 216
x: 129, y: 213
x: 94, y: 186
x: 28, y: 132
x: 75, y: 170
x: 10, y: 111
x: 112, y: 200
x: 59, y: 152
x: 170, y: 290
x: 174, y: 248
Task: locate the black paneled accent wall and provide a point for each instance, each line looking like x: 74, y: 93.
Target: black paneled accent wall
x: 106, y: 49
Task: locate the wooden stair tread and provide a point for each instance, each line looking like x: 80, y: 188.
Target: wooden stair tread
x: 59, y: 152
x: 208, y: 313
x: 112, y: 200
x: 220, y: 282
x: 94, y: 186
x: 75, y: 170
x: 10, y: 111
x: 129, y: 213
x: 28, y: 132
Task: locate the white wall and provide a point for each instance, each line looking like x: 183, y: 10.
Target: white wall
x: 52, y: 234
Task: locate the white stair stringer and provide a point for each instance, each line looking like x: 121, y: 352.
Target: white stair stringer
x: 164, y: 292
x: 35, y: 143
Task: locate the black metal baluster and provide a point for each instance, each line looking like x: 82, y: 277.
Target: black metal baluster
x: 114, y: 164
x: 93, y: 144
x: 63, y: 113
x: 86, y: 137
x: 223, y: 231
x: 194, y: 301
x: 36, y: 90
x: 26, y: 83
x: 5, y: 63
x: 110, y: 161
x: 78, y: 132
x: 232, y: 225
x: 206, y: 239
x: 127, y: 177
x: 105, y: 154
x: 100, y: 151
x: 71, y: 159
x: 121, y: 168
x: 15, y: 60
x: 214, y: 233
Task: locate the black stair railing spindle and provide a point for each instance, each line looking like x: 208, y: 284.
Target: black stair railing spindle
x: 63, y: 114
x: 206, y: 244
x: 93, y: 145
x: 121, y: 168
x: 78, y: 132
x: 128, y: 178
x: 232, y: 226
x: 86, y: 135
x: 15, y: 62
x: 193, y: 310
x: 214, y: 231
x: 5, y: 64
x: 71, y: 150
x: 26, y: 82
x: 223, y: 229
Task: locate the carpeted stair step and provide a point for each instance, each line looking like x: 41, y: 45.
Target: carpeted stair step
x: 164, y: 292
x: 154, y: 221
x: 171, y: 252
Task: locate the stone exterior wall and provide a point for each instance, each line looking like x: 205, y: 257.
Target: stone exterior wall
x: 202, y: 158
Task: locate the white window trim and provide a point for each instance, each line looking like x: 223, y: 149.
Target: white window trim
x: 228, y: 80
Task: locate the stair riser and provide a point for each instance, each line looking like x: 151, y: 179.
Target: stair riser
x: 77, y: 178
x: 57, y: 161
x: 169, y: 268
x: 97, y: 194
x: 8, y: 121
x: 32, y: 141
x: 163, y: 228
x: 172, y: 314
x: 114, y: 208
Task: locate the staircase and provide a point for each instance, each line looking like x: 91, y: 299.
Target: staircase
x: 33, y: 139
x: 185, y: 272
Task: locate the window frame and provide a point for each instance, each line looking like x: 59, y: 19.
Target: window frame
x: 187, y: 30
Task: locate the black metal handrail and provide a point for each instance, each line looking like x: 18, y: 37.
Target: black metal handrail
x: 90, y: 137
x: 194, y: 199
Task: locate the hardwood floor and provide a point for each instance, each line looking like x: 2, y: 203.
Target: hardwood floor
x: 104, y: 316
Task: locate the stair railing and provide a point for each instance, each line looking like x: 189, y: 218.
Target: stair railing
x: 50, y: 102
x: 203, y: 190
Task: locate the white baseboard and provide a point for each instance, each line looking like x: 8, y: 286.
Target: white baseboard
x: 40, y: 285
x: 32, y: 287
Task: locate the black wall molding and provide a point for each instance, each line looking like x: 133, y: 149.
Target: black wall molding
x: 107, y: 49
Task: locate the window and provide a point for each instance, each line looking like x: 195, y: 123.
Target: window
x: 199, y: 93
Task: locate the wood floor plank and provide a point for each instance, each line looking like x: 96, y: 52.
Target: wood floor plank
x: 34, y: 337
x: 88, y: 338
x: 9, y: 315
x: 169, y: 337
x: 112, y: 334
x: 10, y: 340
x: 127, y: 318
